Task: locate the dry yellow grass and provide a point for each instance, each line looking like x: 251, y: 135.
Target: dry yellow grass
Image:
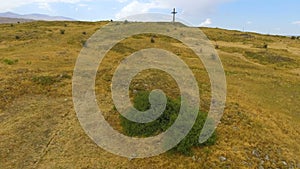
x: 39, y: 127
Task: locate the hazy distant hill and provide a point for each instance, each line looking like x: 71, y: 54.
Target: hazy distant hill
x: 13, y: 20
x: 33, y: 17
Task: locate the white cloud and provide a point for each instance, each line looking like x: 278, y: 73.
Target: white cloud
x: 207, y: 22
x: 12, y: 4
x: 296, y: 23
x: 45, y: 6
x: 136, y: 7
x: 249, y: 22
x: 122, y: 1
x: 82, y: 5
x: 189, y: 8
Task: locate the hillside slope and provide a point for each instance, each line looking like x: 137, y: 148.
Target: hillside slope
x: 39, y: 127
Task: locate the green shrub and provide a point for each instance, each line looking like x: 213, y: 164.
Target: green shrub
x: 268, y: 57
x: 152, y: 40
x: 161, y: 124
x: 44, y: 80
x: 49, y: 80
x: 62, y: 31
x: 10, y: 62
x: 83, y: 43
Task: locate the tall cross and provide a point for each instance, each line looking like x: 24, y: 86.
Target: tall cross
x: 174, y: 13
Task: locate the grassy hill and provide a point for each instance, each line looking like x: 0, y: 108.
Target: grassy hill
x: 39, y: 127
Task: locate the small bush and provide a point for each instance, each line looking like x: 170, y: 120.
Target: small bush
x: 44, y: 80
x: 84, y: 33
x: 62, y: 31
x: 17, y: 37
x: 49, y: 80
x: 161, y: 124
x: 152, y: 40
x: 64, y: 76
x: 268, y: 57
x: 10, y: 62
x: 83, y: 43
x: 265, y: 46
x: 293, y: 37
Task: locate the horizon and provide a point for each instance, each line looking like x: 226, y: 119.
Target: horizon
x: 242, y: 15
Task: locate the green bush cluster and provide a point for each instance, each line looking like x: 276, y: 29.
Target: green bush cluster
x: 268, y: 57
x: 44, y: 80
x: 10, y: 62
x: 49, y: 80
x: 161, y: 124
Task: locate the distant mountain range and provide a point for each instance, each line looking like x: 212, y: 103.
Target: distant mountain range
x: 9, y: 17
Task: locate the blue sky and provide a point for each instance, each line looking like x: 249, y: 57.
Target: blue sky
x: 264, y: 16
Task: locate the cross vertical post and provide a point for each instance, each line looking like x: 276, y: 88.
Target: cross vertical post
x: 174, y: 13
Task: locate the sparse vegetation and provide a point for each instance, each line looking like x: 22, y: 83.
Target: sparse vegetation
x: 49, y: 80
x: 122, y: 48
x: 83, y: 43
x: 62, y: 31
x: 268, y: 57
x: 169, y: 116
x: 10, y: 61
x: 44, y: 80
x: 152, y: 40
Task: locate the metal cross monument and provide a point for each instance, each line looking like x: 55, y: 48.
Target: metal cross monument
x: 174, y: 13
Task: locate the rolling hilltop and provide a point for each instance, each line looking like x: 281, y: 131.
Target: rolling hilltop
x: 39, y: 127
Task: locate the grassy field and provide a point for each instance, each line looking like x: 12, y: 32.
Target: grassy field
x: 39, y: 127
